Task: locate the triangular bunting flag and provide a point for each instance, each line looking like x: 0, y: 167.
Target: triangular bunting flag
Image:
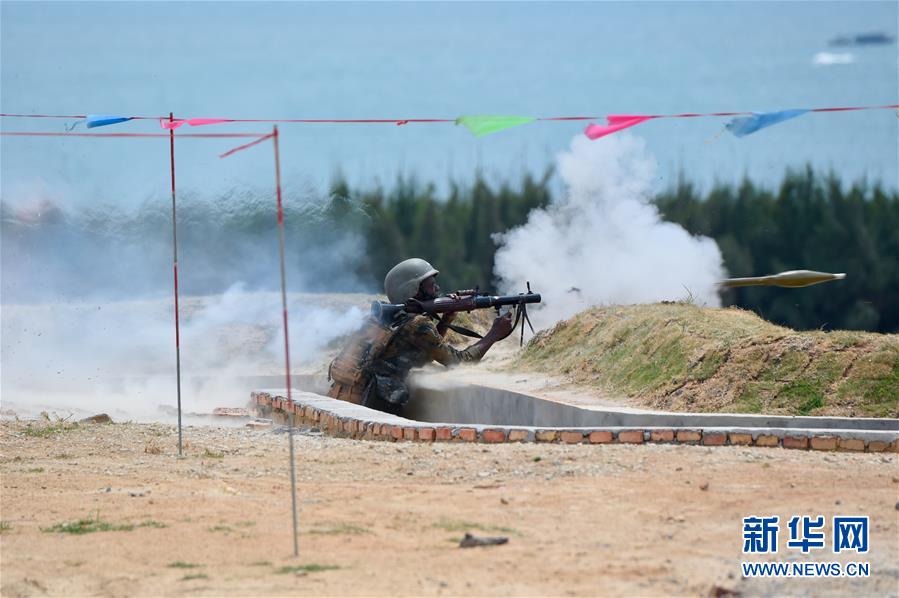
x: 196, y: 122
x: 616, y: 122
x: 170, y: 124
x: 99, y: 120
x: 745, y: 125
x: 484, y: 125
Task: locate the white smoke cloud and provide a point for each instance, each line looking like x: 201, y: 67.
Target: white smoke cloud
x: 119, y: 357
x: 87, y: 317
x: 603, y: 242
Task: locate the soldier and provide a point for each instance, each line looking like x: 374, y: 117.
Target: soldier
x: 372, y: 368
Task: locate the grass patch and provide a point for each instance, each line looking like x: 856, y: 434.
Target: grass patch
x: 4, y: 527
x: 710, y: 363
x: 874, y: 381
x: 36, y: 470
x: 221, y: 528
x: 749, y: 401
x: 183, y: 565
x: 884, y: 391
x: 95, y: 524
x: 844, y: 339
x: 213, y: 455
x: 785, y: 366
x: 47, y: 430
x: 810, y: 404
x: 245, y: 523
x: 451, y: 525
x: 803, y: 395
x: 340, y: 528
x: 194, y: 576
x: 310, y: 568
x: 679, y: 357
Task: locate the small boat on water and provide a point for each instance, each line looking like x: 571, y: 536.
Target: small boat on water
x: 863, y: 39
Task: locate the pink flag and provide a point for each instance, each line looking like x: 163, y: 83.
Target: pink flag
x: 195, y: 122
x: 170, y: 124
x: 616, y: 123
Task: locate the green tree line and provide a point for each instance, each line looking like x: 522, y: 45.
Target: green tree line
x: 810, y: 222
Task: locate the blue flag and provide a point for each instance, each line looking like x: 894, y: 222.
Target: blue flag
x: 98, y: 120
x: 745, y: 125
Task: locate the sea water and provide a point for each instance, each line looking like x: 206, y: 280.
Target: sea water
x: 437, y: 60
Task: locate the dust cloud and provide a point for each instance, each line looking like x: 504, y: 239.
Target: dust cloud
x: 88, y: 313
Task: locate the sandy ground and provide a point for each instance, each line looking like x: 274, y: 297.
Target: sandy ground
x: 386, y: 519
x: 581, y: 520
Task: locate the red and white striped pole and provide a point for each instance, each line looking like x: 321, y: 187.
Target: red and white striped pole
x: 293, y: 474
x: 175, y: 272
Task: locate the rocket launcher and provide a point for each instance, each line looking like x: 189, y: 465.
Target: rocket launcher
x: 467, y: 301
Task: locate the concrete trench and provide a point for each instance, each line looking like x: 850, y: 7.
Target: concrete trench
x: 476, y: 413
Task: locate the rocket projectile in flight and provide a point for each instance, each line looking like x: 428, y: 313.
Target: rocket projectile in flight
x: 791, y: 279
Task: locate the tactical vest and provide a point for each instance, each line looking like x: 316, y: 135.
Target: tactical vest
x: 352, y: 366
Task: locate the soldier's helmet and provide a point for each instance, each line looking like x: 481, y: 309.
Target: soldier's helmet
x: 402, y: 281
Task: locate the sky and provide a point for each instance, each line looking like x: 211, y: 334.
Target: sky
x: 435, y: 60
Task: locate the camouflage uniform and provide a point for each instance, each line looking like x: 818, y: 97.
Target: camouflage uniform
x: 415, y: 343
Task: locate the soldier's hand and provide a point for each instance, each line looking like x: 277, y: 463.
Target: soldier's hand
x: 502, y: 326
x: 449, y: 316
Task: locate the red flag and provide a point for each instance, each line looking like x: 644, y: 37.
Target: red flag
x: 616, y: 122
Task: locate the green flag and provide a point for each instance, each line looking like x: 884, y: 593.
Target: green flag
x: 484, y: 125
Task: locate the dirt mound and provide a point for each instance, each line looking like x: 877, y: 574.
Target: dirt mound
x: 682, y: 357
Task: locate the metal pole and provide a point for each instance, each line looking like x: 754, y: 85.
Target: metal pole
x: 175, y: 271
x: 293, y: 472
